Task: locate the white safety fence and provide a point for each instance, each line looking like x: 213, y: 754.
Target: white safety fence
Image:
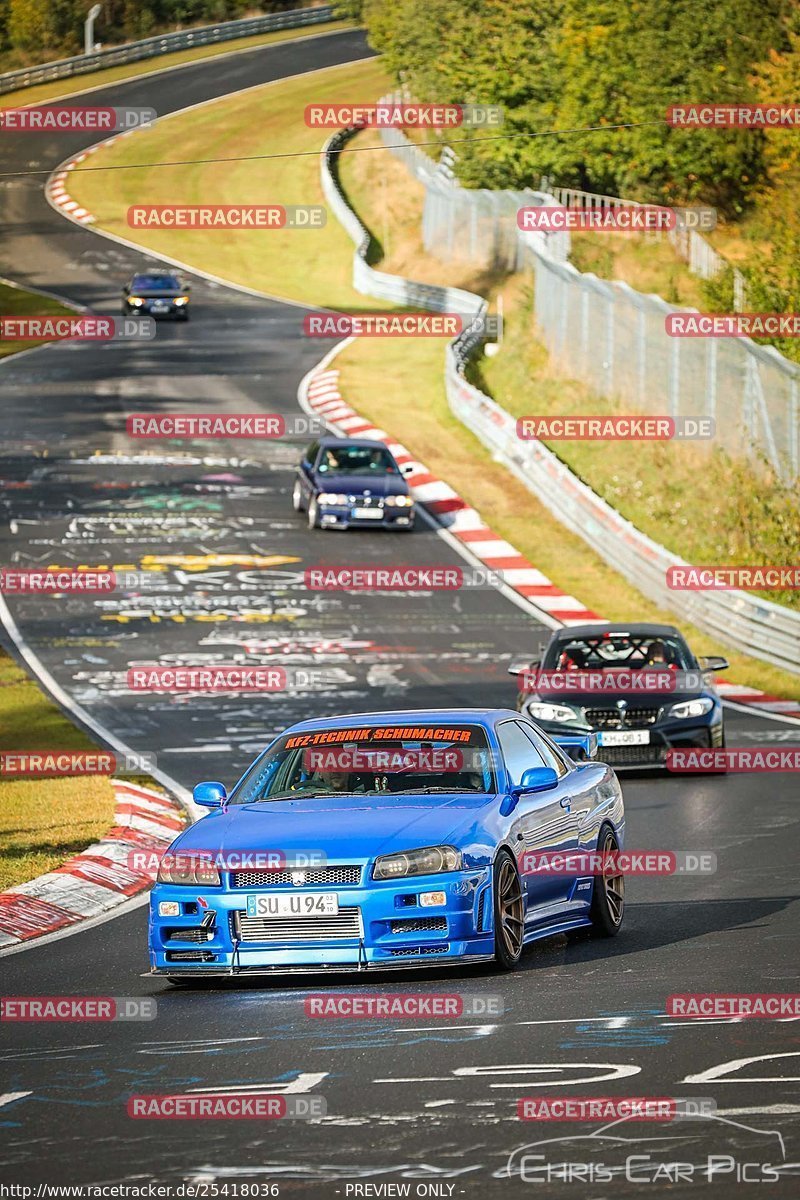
x: 765, y: 630
x: 167, y: 43
x: 612, y: 337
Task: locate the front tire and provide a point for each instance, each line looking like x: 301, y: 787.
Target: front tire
x: 608, y: 895
x: 297, y: 497
x: 313, y: 514
x: 509, y: 912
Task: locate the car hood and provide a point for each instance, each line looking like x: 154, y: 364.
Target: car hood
x: 157, y: 293
x: 356, y: 485
x: 341, y: 827
x: 607, y: 698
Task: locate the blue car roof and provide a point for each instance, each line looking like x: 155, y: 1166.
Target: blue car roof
x: 367, y: 443
x: 411, y: 716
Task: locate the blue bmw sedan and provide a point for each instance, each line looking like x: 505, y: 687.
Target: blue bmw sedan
x: 387, y: 840
x: 345, y: 481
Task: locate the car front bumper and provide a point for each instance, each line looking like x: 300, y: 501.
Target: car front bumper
x: 701, y: 733
x: 341, y: 517
x: 380, y: 925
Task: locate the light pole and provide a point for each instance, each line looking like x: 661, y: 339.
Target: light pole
x: 88, y: 28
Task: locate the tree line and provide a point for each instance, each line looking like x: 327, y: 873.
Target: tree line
x: 34, y: 31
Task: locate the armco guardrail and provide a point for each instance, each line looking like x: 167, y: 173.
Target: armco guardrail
x: 379, y: 284
x: 186, y: 39
x: 757, y: 627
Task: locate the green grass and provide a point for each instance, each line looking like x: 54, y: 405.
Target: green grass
x: 16, y: 302
x: 43, y: 821
x: 96, y: 79
x: 311, y: 266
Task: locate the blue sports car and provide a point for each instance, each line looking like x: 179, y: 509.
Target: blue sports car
x: 390, y: 839
x: 352, y: 481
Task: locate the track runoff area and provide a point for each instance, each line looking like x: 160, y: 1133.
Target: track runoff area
x: 576, y: 1066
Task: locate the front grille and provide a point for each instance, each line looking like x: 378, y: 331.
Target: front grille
x: 190, y: 956
x: 189, y: 935
x: 631, y: 755
x: 366, y: 501
x: 313, y: 877
x: 420, y: 925
x: 346, y: 924
x: 611, y: 718
x: 419, y: 951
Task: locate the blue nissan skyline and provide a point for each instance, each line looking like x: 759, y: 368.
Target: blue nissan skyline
x: 388, y: 840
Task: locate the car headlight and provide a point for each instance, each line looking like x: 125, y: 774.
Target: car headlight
x: 551, y: 712
x: 179, y: 300
x: 188, y: 869
x: 429, y: 861
x: 692, y: 708
x: 398, y: 501
x: 137, y: 300
x: 332, y: 498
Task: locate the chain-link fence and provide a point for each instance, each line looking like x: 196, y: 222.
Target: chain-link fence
x: 610, y: 336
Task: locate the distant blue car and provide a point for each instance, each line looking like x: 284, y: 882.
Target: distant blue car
x: 352, y: 481
x: 390, y: 840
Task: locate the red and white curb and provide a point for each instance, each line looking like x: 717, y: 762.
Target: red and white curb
x: 450, y: 510
x: 322, y: 395
x: 57, y: 189
x: 98, y: 879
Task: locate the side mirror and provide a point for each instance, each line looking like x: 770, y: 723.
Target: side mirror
x: 520, y: 668
x: 209, y: 795
x: 126, y: 290
x: 579, y: 749
x: 713, y: 662
x: 407, y: 469
x: 536, y: 779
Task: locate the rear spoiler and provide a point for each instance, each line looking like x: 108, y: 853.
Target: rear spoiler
x: 581, y: 748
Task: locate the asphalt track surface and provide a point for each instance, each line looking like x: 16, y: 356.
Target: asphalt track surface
x: 428, y: 1105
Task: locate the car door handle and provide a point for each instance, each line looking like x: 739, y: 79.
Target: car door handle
x: 565, y: 802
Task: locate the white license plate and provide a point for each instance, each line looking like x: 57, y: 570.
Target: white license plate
x: 625, y: 737
x: 370, y: 513
x: 159, y: 306
x: 308, y: 904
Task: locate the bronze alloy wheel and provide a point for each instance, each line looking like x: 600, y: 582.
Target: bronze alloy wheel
x: 608, y: 897
x: 509, y: 912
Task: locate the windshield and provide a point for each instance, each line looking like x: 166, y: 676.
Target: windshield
x: 619, y: 651
x: 398, y: 760
x: 155, y: 283
x: 357, y: 460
